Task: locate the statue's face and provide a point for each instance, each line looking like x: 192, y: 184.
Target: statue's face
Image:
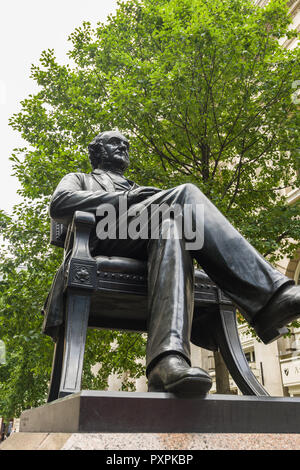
x: 116, y: 148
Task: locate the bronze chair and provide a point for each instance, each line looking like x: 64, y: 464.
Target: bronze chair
x: 111, y: 292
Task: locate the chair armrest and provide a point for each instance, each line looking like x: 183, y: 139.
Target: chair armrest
x: 79, y: 233
x: 61, y: 235
x: 86, y: 218
x: 82, y: 270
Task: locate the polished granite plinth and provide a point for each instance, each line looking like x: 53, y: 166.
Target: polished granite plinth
x: 131, y: 412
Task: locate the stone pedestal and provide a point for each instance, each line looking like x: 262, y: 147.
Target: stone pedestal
x: 131, y: 412
x: 145, y: 421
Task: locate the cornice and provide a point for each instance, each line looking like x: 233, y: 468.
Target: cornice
x: 293, y: 196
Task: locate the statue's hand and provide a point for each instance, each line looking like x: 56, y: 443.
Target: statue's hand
x: 140, y: 194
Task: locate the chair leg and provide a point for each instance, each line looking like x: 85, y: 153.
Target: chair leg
x: 233, y: 355
x: 76, y: 322
x: 56, y: 367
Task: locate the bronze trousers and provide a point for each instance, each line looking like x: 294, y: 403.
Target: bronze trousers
x: 226, y: 256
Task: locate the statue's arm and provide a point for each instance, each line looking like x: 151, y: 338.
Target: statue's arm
x: 70, y: 196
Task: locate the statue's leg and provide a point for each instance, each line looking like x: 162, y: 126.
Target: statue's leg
x: 170, y: 294
x: 170, y: 289
x: 227, y: 257
x: 170, y: 314
x: 267, y: 299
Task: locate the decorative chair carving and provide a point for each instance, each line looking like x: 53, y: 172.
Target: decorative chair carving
x: 111, y: 292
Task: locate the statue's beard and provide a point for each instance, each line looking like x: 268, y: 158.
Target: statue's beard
x: 116, y: 162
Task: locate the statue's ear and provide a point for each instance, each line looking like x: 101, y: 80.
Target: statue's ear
x: 101, y: 154
x: 96, y: 153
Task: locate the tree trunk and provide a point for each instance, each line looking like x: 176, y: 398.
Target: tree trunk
x: 222, y: 375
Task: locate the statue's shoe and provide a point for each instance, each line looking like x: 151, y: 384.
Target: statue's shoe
x: 174, y: 375
x: 283, y: 308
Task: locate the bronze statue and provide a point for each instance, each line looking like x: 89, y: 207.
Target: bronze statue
x: 267, y: 299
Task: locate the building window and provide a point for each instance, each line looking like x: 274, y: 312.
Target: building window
x: 250, y: 356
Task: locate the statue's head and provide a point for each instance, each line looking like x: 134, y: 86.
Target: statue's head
x: 109, y: 151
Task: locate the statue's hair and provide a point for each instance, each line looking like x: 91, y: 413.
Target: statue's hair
x: 96, y: 150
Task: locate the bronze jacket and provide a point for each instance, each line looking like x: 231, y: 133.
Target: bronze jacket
x: 85, y: 192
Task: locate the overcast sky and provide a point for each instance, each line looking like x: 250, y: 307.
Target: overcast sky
x: 27, y: 27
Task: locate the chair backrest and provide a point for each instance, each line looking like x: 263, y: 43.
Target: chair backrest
x: 58, y: 233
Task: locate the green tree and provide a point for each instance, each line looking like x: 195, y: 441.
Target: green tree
x: 203, y: 89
